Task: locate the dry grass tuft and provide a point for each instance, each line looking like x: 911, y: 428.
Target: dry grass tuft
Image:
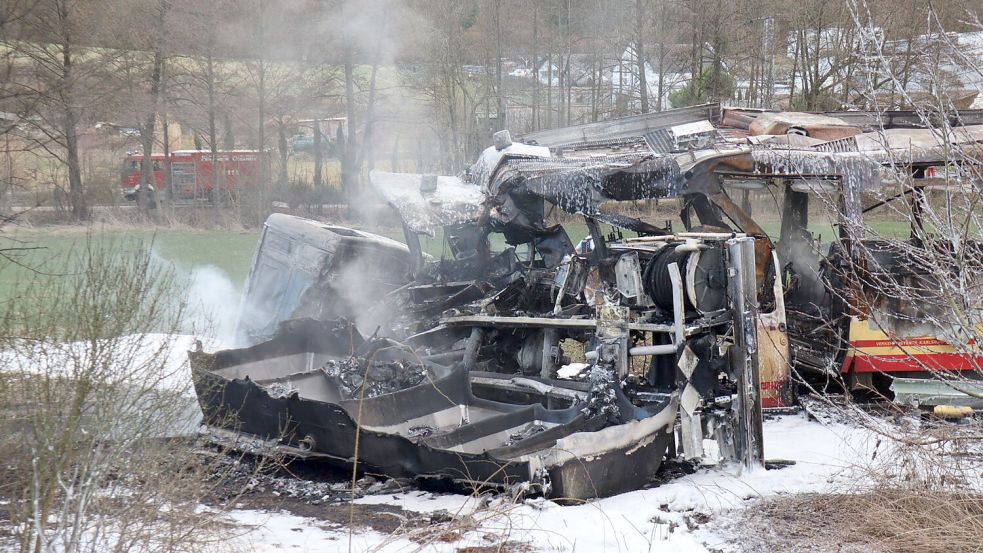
x: 892, y: 520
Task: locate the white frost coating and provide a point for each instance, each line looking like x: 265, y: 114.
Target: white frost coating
x: 860, y: 171
x: 452, y: 201
x: 490, y: 158
x: 916, y: 144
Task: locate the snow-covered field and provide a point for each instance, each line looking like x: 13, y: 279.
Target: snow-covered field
x: 689, y: 513
x: 679, y: 516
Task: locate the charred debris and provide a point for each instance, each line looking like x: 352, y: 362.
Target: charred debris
x: 522, y: 360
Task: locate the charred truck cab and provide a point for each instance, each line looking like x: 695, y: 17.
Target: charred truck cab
x: 533, y: 365
x: 519, y: 360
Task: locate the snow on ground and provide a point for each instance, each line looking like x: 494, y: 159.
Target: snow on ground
x: 142, y: 362
x: 669, y: 517
x: 656, y: 519
x: 164, y: 354
x: 275, y: 532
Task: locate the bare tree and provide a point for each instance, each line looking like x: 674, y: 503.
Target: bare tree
x: 62, y: 83
x: 640, y: 54
x: 156, y: 37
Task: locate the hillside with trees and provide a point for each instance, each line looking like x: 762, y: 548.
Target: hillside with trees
x: 331, y: 89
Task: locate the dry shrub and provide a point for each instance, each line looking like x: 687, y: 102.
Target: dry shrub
x: 886, y: 519
x: 96, y: 418
x: 919, y: 490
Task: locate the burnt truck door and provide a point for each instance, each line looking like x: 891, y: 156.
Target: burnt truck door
x: 700, y: 213
x: 814, y: 310
x: 284, y: 265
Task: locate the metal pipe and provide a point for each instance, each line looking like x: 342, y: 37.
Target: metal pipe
x: 443, y: 357
x: 660, y: 349
x: 471, y: 349
x: 677, y: 304
x: 639, y: 351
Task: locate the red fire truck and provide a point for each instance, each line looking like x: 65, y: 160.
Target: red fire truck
x: 195, y: 174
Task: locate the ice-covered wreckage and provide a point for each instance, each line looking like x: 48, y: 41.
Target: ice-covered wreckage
x: 854, y: 307
x: 518, y: 359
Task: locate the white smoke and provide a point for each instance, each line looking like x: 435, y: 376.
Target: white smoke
x: 213, y: 306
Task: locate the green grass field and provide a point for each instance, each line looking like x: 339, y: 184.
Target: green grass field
x: 46, y: 251
x: 231, y: 252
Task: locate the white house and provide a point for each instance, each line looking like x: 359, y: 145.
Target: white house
x: 625, y: 80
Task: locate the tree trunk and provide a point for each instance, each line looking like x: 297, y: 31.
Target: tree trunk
x: 282, y: 149
x: 595, y: 74
x: 549, y: 89
x: 261, y: 108
x: 662, y: 76
x: 451, y: 150
x: 640, y: 51
x: 365, y: 148
x: 561, y: 93
x: 80, y: 210
x: 217, y: 180
x: 229, y: 140
x: 535, y: 66
x: 569, y: 89
x: 318, y: 157
x: 166, y: 143
x: 795, y: 67
x: 500, y: 91
x: 144, y: 197
x: 260, y: 192
x: 348, y: 176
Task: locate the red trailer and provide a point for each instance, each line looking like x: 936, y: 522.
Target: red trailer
x: 196, y: 175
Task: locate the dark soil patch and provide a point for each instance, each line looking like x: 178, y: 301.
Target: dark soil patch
x: 385, y: 519
x: 316, y: 490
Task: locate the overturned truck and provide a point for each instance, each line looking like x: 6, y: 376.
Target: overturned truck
x: 509, y: 357
x: 518, y: 361
x: 461, y: 376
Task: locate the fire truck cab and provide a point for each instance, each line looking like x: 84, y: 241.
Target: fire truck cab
x: 196, y: 174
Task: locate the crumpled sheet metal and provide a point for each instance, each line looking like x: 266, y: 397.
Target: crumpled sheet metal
x: 919, y: 145
x: 812, y: 124
x: 427, y: 205
x: 432, y: 429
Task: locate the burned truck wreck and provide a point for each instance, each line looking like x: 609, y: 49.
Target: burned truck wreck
x: 510, y: 357
x: 517, y: 361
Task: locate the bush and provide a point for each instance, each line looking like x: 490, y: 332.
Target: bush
x: 98, y: 417
x: 711, y: 86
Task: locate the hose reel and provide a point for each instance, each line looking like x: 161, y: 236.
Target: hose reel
x: 704, y: 278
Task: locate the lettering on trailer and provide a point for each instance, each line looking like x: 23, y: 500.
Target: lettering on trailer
x: 239, y: 157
